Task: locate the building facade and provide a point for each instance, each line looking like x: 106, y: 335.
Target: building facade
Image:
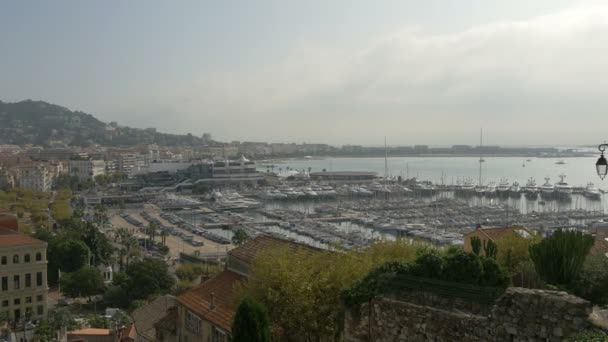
x: 23, y: 275
x: 87, y: 169
x: 35, y: 177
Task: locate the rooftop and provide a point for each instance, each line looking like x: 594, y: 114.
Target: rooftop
x: 148, y: 315
x: 11, y: 238
x: 91, y: 332
x: 496, y: 233
x: 248, y: 251
x: 221, y: 288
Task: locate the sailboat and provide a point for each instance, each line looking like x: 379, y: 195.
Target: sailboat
x: 480, y: 189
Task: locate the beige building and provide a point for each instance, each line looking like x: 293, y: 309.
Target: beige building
x: 492, y: 234
x: 87, y: 169
x: 35, y: 177
x: 23, y: 274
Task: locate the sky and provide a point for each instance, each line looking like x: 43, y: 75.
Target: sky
x: 339, y: 72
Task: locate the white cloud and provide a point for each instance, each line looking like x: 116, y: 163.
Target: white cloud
x: 543, y: 80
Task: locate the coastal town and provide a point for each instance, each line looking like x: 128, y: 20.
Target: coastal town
x: 303, y: 171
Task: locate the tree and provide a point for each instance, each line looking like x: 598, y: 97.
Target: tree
x: 163, y: 237
x: 152, y: 228
x: 489, y: 249
x: 558, y: 259
x: 514, y: 249
x: 240, y: 237
x: 592, y: 282
x: 476, y: 245
x: 250, y: 322
x: 147, y: 277
x: 85, y: 282
x: 68, y: 255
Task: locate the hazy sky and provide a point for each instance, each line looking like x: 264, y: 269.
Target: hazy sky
x: 333, y: 71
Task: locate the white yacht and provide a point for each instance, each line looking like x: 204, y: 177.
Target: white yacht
x: 503, y: 186
x: 491, y: 190
x: 531, y: 190
x: 563, y: 190
x: 547, y: 189
x: 514, y: 190
x: 592, y: 192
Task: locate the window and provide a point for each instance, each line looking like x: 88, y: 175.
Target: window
x: 4, y: 283
x: 4, y: 303
x: 40, y: 310
x: 193, y: 323
x: 218, y: 335
x: 4, y: 260
x: 39, y: 298
x: 26, y: 258
x: 28, y: 300
x: 39, y: 279
x: 38, y: 256
x: 28, y: 280
x: 17, y: 301
x: 16, y: 284
x: 15, y: 259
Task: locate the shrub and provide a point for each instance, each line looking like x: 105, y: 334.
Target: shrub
x: 589, y: 336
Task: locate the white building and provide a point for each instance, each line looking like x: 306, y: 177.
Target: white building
x: 87, y: 169
x: 35, y: 177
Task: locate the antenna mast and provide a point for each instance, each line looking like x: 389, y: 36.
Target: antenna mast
x: 480, y: 151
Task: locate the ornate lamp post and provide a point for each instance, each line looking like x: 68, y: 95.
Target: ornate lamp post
x: 601, y: 165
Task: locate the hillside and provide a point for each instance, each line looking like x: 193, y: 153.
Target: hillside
x: 41, y: 123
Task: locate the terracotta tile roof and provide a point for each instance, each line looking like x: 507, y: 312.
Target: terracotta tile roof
x: 251, y: 248
x: 9, y: 238
x: 146, y: 316
x: 8, y: 221
x: 496, y: 233
x: 91, y: 332
x: 198, y: 299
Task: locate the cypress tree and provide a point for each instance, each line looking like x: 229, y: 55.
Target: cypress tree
x: 250, y: 322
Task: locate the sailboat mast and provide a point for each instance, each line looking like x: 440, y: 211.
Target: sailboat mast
x: 385, y: 160
x: 480, y: 151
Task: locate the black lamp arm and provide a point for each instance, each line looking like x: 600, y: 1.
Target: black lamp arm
x: 602, y: 147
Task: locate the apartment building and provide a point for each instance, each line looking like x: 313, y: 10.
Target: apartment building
x: 35, y: 177
x: 87, y: 169
x: 23, y: 273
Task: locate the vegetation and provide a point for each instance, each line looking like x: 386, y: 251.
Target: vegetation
x: 190, y: 272
x: 142, y: 280
x: 250, y: 322
x: 589, y: 336
x: 457, y: 267
x: 301, y: 289
x: 240, y: 237
x: 85, y: 282
x: 476, y: 245
x: 592, y: 281
x: 27, y: 205
x: 559, y: 259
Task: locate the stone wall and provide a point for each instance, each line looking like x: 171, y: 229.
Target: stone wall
x: 519, y: 315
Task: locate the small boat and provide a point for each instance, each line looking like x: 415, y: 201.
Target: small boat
x: 561, y: 162
x: 528, y: 160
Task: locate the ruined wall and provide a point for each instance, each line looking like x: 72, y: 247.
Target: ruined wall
x: 519, y: 315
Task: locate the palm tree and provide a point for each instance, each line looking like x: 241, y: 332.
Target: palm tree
x: 163, y: 237
x: 152, y: 231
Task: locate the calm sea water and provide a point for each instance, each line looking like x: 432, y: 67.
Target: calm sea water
x: 447, y: 170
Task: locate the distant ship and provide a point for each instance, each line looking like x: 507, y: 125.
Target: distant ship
x: 591, y: 192
x: 503, y: 186
x: 531, y: 189
x: 561, y: 162
x: 547, y: 189
x: 563, y: 190
x: 514, y: 190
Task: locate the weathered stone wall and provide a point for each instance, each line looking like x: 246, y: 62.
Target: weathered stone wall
x: 423, y: 298
x: 519, y: 315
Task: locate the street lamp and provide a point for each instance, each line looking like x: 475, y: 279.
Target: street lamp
x: 601, y: 165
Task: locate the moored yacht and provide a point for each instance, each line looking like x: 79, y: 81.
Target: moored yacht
x: 563, y: 190
x: 491, y: 190
x: 547, y: 189
x: 592, y: 192
x: 503, y: 187
x: 514, y: 190
x: 531, y: 190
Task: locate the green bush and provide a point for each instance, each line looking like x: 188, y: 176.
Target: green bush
x: 589, y: 336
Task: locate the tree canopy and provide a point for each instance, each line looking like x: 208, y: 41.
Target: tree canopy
x: 250, y: 322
